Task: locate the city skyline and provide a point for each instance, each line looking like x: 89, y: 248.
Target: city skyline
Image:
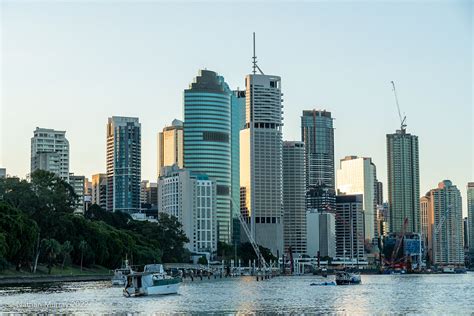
x: 368, y: 114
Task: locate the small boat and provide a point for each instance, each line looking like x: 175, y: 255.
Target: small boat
x: 152, y: 281
x: 120, y: 275
x: 323, y: 283
x: 448, y: 270
x: 347, y: 277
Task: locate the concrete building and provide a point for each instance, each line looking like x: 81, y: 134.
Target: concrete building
x: 237, y: 109
x: 294, y: 188
x: 261, y: 161
x: 99, y: 190
x: 87, y: 193
x: 170, y: 146
x: 350, y: 227
x: 123, y: 164
x: 427, y: 222
x: 465, y: 226
x: 321, y: 234
x: 207, y: 139
x: 448, y: 243
x: 403, y: 181
x: 50, y: 152
x: 3, y: 173
x: 470, y: 215
x: 148, y: 194
x: 357, y: 175
x: 78, y: 184
x: 191, y: 198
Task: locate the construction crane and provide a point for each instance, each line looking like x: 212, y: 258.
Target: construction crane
x: 255, y: 247
x: 402, y: 120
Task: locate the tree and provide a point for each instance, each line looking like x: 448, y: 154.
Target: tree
x: 51, y: 249
x: 202, y: 260
x: 82, y: 247
x: 247, y: 253
x: 66, y: 249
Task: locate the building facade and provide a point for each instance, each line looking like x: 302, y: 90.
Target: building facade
x: 350, y: 227
x: 191, y: 198
x: 470, y: 214
x: 448, y: 241
x: 261, y: 161
x: 170, y: 146
x: 99, y: 190
x: 237, y: 107
x: 50, y: 152
x: 294, y: 188
x: 403, y: 181
x: 123, y: 164
x: 207, y: 139
x: 78, y: 184
x: 427, y: 222
x: 3, y: 173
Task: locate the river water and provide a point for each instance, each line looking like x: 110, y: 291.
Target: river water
x: 378, y: 294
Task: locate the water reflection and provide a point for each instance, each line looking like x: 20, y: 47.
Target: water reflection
x: 440, y: 294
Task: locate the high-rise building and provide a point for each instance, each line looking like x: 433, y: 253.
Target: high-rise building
x: 403, y: 181
x: 237, y: 109
x: 261, y: 161
x: 357, y: 175
x: 379, y: 193
x: 465, y: 227
x: 99, y: 190
x: 470, y: 214
x: 123, y: 164
x: 350, y: 227
x: 317, y: 133
x: 426, y: 223
x: 87, y: 194
x: 294, y: 188
x: 50, y: 152
x: 143, y: 185
x: 445, y: 204
x: 170, y: 146
x: 321, y: 234
x: 207, y: 139
x: 3, y: 173
x: 191, y: 198
x: 78, y: 184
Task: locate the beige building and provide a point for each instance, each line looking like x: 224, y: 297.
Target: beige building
x: 357, y: 175
x: 170, y: 146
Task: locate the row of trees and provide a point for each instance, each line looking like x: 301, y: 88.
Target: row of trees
x: 38, y: 224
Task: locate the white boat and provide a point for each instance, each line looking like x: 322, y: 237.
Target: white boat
x: 448, y: 270
x: 120, y: 275
x: 152, y: 281
x: 347, y: 277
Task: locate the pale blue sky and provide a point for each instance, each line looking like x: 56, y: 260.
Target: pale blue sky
x: 71, y: 65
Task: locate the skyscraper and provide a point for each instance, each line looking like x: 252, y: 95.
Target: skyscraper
x: 207, y: 139
x: 350, y: 227
x: 170, y: 145
x: 294, y: 183
x: 237, y: 109
x: 470, y: 215
x: 123, y: 164
x: 50, y: 152
x: 357, y: 175
x: 448, y: 243
x: 261, y: 160
x: 403, y: 181
x: 426, y: 224
x: 317, y: 133
x: 99, y: 190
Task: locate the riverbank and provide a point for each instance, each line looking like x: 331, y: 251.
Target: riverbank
x: 68, y: 274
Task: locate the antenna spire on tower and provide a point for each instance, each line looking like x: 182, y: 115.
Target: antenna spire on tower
x: 254, y: 59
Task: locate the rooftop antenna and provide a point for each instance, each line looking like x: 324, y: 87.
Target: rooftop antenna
x: 254, y: 58
x: 402, y: 120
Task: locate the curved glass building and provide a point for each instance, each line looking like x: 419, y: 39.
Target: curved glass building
x: 207, y: 139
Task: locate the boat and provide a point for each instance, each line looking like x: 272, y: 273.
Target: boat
x: 120, y: 275
x: 347, y: 277
x: 324, y: 283
x: 152, y: 281
x: 448, y: 269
